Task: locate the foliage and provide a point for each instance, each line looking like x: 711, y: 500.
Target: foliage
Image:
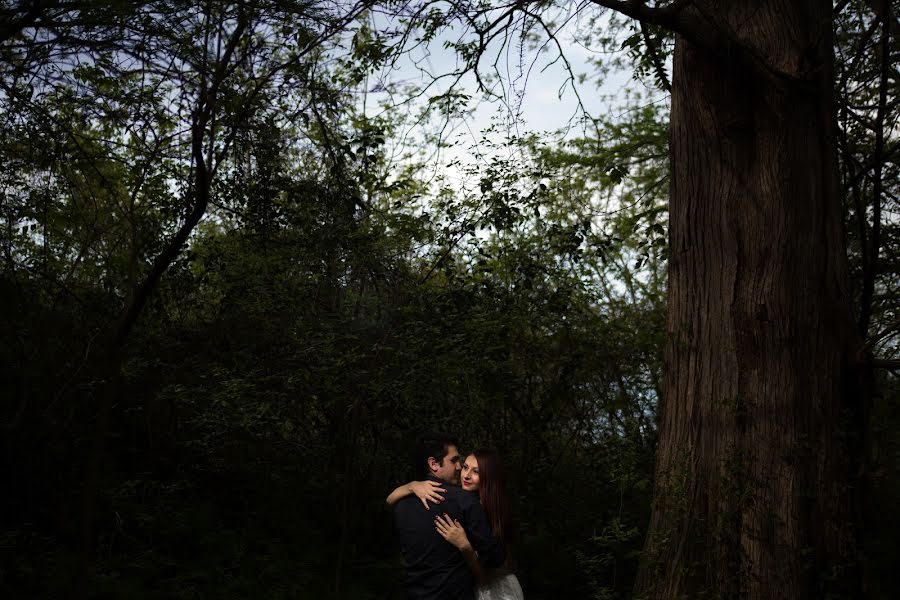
x: 335, y: 299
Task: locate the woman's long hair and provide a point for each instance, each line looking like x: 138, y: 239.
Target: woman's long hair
x: 493, y: 495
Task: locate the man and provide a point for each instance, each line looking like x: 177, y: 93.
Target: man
x: 435, y: 569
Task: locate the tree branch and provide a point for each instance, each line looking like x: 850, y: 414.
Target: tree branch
x: 668, y: 16
x: 695, y: 25
x: 875, y: 239
x: 202, y: 178
x: 11, y: 27
x: 883, y: 11
x: 655, y: 58
x: 887, y: 331
x: 674, y: 16
x: 890, y: 365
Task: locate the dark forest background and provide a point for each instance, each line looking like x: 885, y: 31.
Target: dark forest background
x: 230, y: 297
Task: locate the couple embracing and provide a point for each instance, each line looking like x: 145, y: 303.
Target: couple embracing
x: 455, y: 540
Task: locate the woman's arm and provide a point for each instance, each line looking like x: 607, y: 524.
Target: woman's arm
x: 425, y: 490
x: 454, y: 533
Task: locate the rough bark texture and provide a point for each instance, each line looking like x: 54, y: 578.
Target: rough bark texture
x: 751, y: 498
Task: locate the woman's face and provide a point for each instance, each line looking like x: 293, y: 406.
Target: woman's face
x: 470, y: 478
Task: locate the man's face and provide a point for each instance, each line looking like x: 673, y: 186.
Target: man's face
x: 449, y: 470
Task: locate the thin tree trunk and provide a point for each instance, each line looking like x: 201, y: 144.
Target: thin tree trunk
x: 751, y: 495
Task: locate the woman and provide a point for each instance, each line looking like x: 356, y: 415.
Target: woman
x: 482, y: 473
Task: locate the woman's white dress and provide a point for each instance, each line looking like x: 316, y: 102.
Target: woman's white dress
x: 503, y: 587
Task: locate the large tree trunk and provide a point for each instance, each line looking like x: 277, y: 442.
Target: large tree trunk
x: 751, y: 497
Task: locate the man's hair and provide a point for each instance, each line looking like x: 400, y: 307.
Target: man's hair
x: 430, y: 445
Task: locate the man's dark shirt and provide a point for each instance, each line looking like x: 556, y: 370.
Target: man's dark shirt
x: 435, y: 568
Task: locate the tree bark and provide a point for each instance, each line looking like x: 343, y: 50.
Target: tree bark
x: 751, y: 492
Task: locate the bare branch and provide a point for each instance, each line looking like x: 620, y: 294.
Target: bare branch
x: 672, y: 16
x: 698, y: 27
x: 885, y: 333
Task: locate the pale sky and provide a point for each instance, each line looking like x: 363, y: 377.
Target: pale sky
x: 532, y: 88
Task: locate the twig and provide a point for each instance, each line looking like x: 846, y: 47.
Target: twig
x: 875, y: 340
